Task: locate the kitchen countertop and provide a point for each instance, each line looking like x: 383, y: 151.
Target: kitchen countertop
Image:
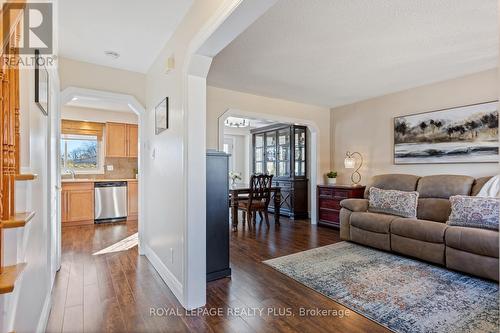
x: 82, y: 180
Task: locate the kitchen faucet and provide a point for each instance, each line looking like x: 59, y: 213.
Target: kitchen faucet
x: 72, y: 172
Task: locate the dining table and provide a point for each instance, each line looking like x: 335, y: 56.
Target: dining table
x: 238, y: 192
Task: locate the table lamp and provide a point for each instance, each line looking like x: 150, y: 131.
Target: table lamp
x: 350, y: 163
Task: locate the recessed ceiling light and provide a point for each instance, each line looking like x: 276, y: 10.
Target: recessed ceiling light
x: 112, y: 54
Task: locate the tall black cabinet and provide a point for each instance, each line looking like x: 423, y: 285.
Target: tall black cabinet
x: 281, y: 150
x: 217, y: 215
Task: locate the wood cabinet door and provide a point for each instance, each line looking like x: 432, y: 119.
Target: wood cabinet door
x: 132, y: 140
x: 80, y: 205
x: 133, y: 199
x: 64, y: 206
x: 116, y: 140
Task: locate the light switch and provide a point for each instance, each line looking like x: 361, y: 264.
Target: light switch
x: 109, y: 167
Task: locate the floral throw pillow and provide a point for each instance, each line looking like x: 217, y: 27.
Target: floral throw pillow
x: 400, y: 203
x: 475, y: 212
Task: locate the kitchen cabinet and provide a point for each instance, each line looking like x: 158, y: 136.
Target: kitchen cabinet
x: 116, y: 140
x: 77, y: 203
x: 133, y: 199
x: 132, y: 140
x: 121, y: 140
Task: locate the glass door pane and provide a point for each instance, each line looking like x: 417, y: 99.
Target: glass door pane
x: 300, y: 151
x: 259, y: 153
x: 283, y: 153
x: 271, y: 153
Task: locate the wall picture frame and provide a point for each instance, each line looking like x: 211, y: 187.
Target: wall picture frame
x: 161, y: 116
x: 462, y: 134
x: 42, y: 95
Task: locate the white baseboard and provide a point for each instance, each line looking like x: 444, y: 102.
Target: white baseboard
x: 44, y: 316
x: 167, y: 276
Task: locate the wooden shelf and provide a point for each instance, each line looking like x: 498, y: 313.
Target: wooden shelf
x: 18, y: 220
x: 9, y: 276
x: 26, y: 176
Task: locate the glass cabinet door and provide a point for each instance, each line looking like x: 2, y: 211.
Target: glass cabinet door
x: 300, y: 151
x: 283, y: 153
x: 270, y: 157
x: 259, y: 153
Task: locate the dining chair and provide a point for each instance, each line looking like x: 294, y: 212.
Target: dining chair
x: 258, y: 198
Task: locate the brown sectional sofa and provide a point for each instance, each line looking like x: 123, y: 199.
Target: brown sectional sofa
x: 428, y: 237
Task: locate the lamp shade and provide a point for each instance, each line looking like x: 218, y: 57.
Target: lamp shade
x: 349, y: 163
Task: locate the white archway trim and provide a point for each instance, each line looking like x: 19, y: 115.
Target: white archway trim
x: 315, y: 145
x: 70, y: 92
x: 232, y: 16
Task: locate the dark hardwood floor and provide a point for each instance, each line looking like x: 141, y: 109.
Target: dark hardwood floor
x: 115, y: 292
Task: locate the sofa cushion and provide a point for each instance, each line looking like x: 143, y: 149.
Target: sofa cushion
x: 433, y: 209
x: 432, y: 252
x: 400, y: 182
x: 474, y: 212
x: 478, y: 185
x: 486, y: 267
x: 444, y: 186
x: 423, y: 230
x: 372, y: 221
x: 479, y: 241
x: 355, y: 205
x: 369, y: 238
x: 393, y: 202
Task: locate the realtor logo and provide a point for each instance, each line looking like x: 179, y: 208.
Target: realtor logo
x: 36, y: 26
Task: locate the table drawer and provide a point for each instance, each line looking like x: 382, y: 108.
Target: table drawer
x: 329, y: 203
x: 333, y: 193
x: 325, y: 192
x: 340, y: 194
x: 329, y: 215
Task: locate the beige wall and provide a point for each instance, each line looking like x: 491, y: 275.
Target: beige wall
x: 220, y: 100
x: 73, y: 73
x: 367, y: 126
x: 101, y: 116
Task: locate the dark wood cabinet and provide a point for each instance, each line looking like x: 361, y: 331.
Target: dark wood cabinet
x: 329, y: 198
x: 217, y: 215
x: 281, y: 150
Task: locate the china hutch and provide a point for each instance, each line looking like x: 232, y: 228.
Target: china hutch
x: 281, y: 150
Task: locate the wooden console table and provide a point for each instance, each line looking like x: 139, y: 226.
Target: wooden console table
x: 329, y: 198
x: 235, y: 193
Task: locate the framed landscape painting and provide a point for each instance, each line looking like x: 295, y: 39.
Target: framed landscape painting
x: 465, y: 134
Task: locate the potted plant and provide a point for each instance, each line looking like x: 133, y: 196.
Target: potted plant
x: 234, y: 177
x: 331, y: 177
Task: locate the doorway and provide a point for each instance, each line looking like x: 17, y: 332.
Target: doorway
x: 123, y: 164
x: 263, y: 120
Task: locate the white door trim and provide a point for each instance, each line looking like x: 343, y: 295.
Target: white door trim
x: 70, y: 92
x: 314, y: 151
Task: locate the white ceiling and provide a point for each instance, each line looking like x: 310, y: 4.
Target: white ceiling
x: 337, y: 52
x: 136, y: 29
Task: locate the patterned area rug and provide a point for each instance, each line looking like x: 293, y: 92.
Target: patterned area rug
x: 401, y: 294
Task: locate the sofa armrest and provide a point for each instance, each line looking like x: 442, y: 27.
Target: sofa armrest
x: 355, y: 205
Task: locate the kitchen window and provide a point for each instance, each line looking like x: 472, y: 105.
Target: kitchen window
x: 82, y: 153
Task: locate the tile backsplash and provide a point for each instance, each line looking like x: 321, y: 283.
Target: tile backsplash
x: 123, y: 168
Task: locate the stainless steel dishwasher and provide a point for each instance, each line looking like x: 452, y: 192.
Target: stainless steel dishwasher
x: 110, y: 201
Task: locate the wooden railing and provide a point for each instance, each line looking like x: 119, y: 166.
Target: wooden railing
x: 9, y: 140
